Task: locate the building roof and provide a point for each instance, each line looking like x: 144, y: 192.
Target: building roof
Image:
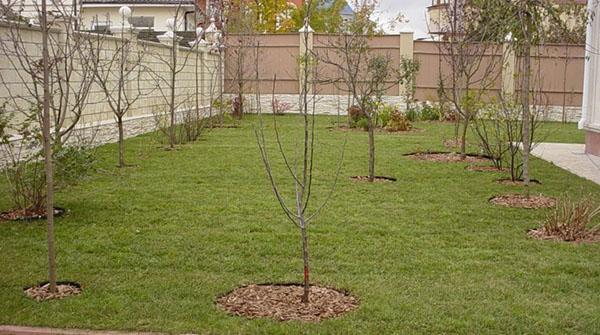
x: 137, y: 2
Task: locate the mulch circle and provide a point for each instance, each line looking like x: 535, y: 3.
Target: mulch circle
x: 42, y: 292
x: 447, y: 157
x: 452, y: 143
x: 541, y: 234
x: 377, y: 130
x: 483, y: 168
x: 522, y: 201
x: 520, y: 182
x: 378, y: 179
x: 29, y: 215
x: 283, y: 302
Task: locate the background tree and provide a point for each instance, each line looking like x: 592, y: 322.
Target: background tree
x: 467, y: 43
x: 167, y: 85
x: 365, y: 75
x: 119, y: 76
x: 528, y: 23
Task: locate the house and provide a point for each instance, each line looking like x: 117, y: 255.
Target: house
x: 437, y: 15
x: 149, y: 15
x: 590, y: 119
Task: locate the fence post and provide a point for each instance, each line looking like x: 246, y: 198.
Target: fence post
x: 509, y: 61
x: 406, y: 51
x: 306, y: 46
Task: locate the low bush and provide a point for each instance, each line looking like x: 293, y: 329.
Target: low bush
x: 429, y: 113
x: 399, y: 122
x: 572, y: 221
x: 355, y: 113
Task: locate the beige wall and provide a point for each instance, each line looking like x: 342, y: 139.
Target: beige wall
x: 15, y: 83
x: 561, y: 80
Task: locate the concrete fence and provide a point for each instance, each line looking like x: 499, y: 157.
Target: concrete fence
x: 193, y: 65
x: 560, y: 83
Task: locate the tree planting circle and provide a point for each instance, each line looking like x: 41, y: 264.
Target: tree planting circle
x: 283, y: 302
x: 522, y: 201
x: 41, y: 292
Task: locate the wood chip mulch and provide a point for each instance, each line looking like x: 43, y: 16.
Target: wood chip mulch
x: 452, y: 143
x: 283, y: 302
x: 378, y: 179
x: 447, y: 158
x: 522, y: 201
x: 27, y: 214
x: 510, y: 182
x: 42, y: 293
x: 541, y: 234
x: 483, y: 168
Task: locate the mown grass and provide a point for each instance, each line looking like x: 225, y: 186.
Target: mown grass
x: 154, y: 245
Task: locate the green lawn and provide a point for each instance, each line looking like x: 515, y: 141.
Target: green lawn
x: 155, y: 244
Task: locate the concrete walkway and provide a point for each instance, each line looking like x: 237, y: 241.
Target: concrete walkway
x: 19, y: 330
x: 570, y: 157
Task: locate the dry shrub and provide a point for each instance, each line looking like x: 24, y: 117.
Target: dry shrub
x: 399, y: 122
x: 572, y: 221
x: 356, y: 113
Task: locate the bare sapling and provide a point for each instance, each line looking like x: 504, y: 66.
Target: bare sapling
x: 365, y: 75
x: 175, y: 64
x: 467, y: 46
x: 119, y: 74
x: 299, y: 166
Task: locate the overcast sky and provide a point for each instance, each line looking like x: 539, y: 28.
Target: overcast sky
x: 414, y: 10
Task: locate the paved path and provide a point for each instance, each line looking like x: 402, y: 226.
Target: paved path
x: 18, y: 330
x: 570, y: 157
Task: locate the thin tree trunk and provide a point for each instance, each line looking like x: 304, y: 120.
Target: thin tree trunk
x: 526, y: 116
x: 463, y: 139
x: 371, y: 150
x: 305, y: 298
x: 121, y: 142
x: 48, y: 153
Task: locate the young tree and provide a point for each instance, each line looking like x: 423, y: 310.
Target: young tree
x: 117, y: 73
x: 301, y: 166
x: 55, y: 81
x: 365, y: 75
x: 528, y: 23
x: 466, y: 46
x: 410, y: 69
x: 168, y: 87
x: 71, y: 73
x: 240, y: 34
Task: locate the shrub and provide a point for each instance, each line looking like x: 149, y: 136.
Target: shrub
x: 399, y: 122
x: 385, y: 114
x: 412, y: 114
x: 280, y: 107
x: 363, y: 124
x: 237, y: 107
x: 429, y: 113
x: 71, y: 163
x: 356, y: 113
x: 22, y: 164
x: 572, y: 221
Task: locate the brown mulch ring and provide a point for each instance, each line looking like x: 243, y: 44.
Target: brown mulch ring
x: 522, y: 201
x: 378, y: 130
x: 452, y: 143
x: 520, y: 182
x: 541, y: 234
x: 378, y: 179
x: 447, y: 157
x: 283, y: 302
x: 29, y: 214
x: 42, y: 292
x: 483, y: 168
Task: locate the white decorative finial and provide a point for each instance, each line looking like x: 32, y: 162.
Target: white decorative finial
x: 125, y: 11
